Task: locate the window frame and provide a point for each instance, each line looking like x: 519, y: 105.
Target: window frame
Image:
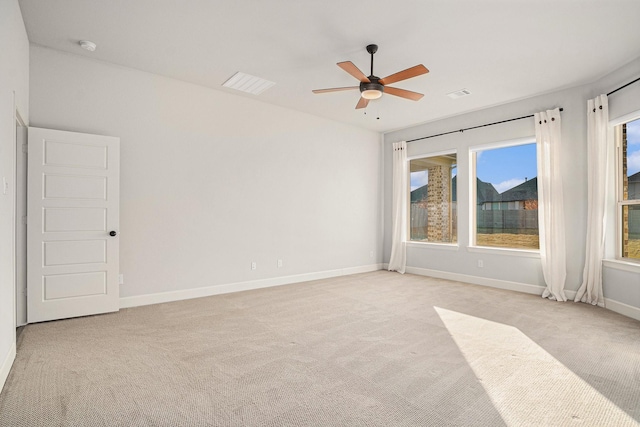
x: 616, y: 126
x: 452, y: 245
x: 473, y: 208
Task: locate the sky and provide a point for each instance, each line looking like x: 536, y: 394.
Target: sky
x: 503, y: 167
x: 507, y: 167
x: 418, y: 179
x: 633, y: 147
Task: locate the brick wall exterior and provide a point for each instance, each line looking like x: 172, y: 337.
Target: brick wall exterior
x: 438, y: 201
x: 625, y: 195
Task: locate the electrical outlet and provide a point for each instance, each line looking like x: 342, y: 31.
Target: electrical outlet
x: 254, y: 265
x: 371, y: 254
x: 121, y: 279
x: 480, y: 263
x: 279, y: 263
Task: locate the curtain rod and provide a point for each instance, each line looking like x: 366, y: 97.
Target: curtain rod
x: 476, y: 127
x: 622, y: 87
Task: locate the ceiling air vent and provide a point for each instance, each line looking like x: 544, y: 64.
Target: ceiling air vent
x: 459, y: 93
x: 249, y: 84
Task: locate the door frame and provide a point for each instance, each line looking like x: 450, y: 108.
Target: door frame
x: 20, y: 227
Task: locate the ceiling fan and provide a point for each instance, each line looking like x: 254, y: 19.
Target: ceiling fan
x: 372, y: 87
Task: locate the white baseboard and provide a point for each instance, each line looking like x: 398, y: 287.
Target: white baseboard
x: 613, y: 305
x: 5, y: 368
x: 622, y: 308
x: 139, y: 300
x: 571, y: 295
x: 483, y: 281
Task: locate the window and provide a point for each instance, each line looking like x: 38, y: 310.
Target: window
x: 628, y: 141
x: 506, y: 195
x: 432, y: 213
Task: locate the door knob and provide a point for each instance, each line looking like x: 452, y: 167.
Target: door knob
x: 113, y: 233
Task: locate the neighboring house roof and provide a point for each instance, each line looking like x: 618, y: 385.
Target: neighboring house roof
x: 486, y: 192
x: 419, y: 194
x: 454, y: 188
x: 633, y: 190
x: 528, y: 190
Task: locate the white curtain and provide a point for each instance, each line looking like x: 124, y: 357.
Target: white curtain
x: 598, y: 140
x: 398, y: 259
x: 550, y: 204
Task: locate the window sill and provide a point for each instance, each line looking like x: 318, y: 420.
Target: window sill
x: 527, y: 253
x: 431, y: 245
x: 618, y: 264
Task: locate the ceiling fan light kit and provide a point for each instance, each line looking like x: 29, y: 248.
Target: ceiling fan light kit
x: 371, y: 90
x: 373, y: 87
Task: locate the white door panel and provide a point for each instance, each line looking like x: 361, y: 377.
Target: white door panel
x: 73, y: 285
x: 59, y: 153
x: 71, y: 252
x: 74, y: 187
x: 74, y: 219
x: 73, y: 205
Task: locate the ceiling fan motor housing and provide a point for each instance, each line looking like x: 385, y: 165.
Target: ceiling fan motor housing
x: 373, y: 85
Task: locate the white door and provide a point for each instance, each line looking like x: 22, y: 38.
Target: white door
x: 72, y: 224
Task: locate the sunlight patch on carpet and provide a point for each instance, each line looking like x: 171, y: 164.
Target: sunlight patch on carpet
x: 526, y: 384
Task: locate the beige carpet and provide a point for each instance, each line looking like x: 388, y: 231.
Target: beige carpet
x: 375, y: 349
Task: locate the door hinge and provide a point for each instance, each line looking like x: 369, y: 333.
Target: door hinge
x: 24, y: 220
x: 25, y: 148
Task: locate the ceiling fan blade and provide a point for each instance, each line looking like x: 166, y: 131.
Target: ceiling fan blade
x: 405, y: 74
x: 350, y: 68
x: 402, y: 93
x: 334, y: 89
x: 362, y: 103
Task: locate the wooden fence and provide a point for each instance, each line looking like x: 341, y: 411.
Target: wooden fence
x: 488, y: 222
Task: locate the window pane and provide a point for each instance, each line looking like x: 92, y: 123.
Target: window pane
x: 631, y: 231
x: 507, y: 197
x: 433, y: 216
x: 631, y: 160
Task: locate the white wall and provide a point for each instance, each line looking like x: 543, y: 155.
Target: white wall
x: 212, y: 181
x: 14, y: 85
x: 516, y: 271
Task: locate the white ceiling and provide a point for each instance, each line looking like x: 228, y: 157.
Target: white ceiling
x: 501, y: 50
